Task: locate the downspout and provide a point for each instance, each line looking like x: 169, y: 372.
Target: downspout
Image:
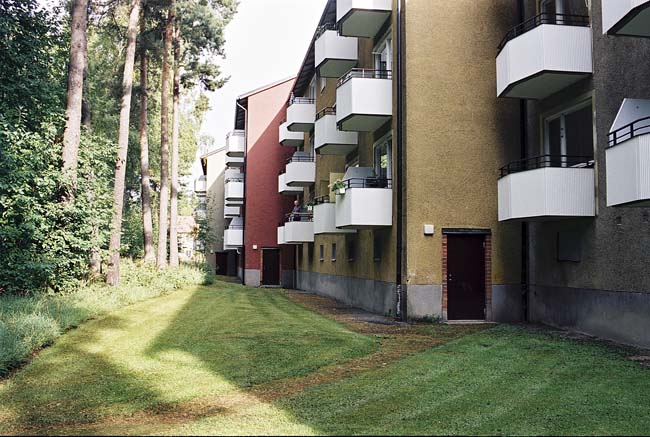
x: 523, y: 129
x: 402, y: 307
x: 243, y: 207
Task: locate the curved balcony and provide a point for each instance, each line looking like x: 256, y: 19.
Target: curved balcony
x: 325, y: 217
x: 628, y: 156
x: 233, y: 235
x: 285, y: 189
x: 236, y: 144
x: 328, y: 139
x: 300, y: 170
x: 547, y: 187
x: 299, y: 228
x: 544, y: 55
x: 334, y: 54
x: 230, y: 211
x: 288, y: 138
x: 234, y: 189
x: 364, y: 202
x: 362, y: 18
x: 626, y: 17
x: 200, y: 185
x: 301, y: 112
x: 364, y: 100
x: 235, y: 161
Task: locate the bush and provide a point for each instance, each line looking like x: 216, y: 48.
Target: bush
x: 30, y: 323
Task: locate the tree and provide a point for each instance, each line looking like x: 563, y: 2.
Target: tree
x: 76, y: 67
x: 113, y: 277
x: 164, y: 144
x: 145, y: 180
x: 173, y: 219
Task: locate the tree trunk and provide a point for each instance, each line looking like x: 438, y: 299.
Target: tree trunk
x: 72, y: 132
x: 164, y: 144
x: 113, y: 276
x: 147, y: 222
x: 173, y: 219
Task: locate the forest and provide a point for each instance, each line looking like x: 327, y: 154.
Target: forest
x: 101, y: 106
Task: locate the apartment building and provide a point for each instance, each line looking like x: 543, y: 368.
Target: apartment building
x: 580, y: 186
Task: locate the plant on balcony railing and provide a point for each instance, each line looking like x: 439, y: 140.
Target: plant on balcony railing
x: 364, y: 74
x: 325, y: 111
x: 545, y: 161
x: 629, y: 131
x: 338, y: 187
x: 544, y: 18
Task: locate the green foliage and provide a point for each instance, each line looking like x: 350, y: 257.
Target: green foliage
x: 29, y: 323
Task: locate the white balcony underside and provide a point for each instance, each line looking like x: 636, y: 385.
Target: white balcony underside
x: 325, y: 220
x: 626, y: 17
x: 364, y: 208
x: 233, y: 238
x: 290, y: 139
x: 362, y: 18
x: 335, y: 55
x: 230, y: 211
x: 233, y: 161
x: 300, y: 174
x: 285, y: 189
x: 298, y: 232
x: 328, y: 140
x: 547, y: 194
x: 364, y: 104
x: 300, y: 117
x: 628, y: 172
x: 544, y: 61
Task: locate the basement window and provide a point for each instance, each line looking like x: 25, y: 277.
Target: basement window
x: 333, y: 252
x: 351, y: 249
x: 322, y: 253
x: 310, y: 252
x: 376, y: 248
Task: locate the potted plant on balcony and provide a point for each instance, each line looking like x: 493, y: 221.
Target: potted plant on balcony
x: 309, y: 205
x: 338, y: 187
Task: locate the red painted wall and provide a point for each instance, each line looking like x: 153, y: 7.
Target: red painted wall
x: 265, y: 157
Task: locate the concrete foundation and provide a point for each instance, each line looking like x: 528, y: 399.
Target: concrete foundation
x: 287, y: 278
x: 424, y: 301
x: 507, y: 303
x: 375, y: 296
x: 252, y: 278
x: 614, y: 315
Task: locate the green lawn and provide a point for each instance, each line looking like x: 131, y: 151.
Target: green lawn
x: 193, y: 362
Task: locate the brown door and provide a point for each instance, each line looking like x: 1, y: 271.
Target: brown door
x: 221, y: 263
x: 270, y: 266
x: 465, y: 277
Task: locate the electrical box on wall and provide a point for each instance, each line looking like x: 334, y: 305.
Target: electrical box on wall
x: 429, y: 229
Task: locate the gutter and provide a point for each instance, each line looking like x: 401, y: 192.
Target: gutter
x: 525, y: 231
x: 401, y: 307
x: 242, y: 209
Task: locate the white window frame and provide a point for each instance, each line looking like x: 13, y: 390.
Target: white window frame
x: 385, y: 46
x: 385, y: 140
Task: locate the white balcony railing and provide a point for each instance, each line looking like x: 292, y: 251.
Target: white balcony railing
x: 288, y: 138
x: 362, y: 18
x: 544, y: 55
x: 364, y: 100
x: 628, y: 155
x: 234, y: 161
x: 547, y: 187
x: 236, y: 144
x: 281, y: 239
x: 626, y: 17
x: 334, y: 54
x: 328, y: 139
x: 300, y: 170
x: 285, y: 189
x: 200, y: 185
x: 234, y: 191
x: 230, y: 211
x: 233, y: 238
x: 301, y: 114
x: 325, y: 217
x: 299, y: 229
x: 365, y: 202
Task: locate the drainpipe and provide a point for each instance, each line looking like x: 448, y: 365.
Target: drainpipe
x: 523, y: 129
x: 242, y: 210
x: 402, y: 308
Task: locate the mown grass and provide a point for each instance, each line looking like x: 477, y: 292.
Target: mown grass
x: 29, y: 323
x: 190, y: 363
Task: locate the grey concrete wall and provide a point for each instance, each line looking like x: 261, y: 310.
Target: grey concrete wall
x: 252, y: 278
x: 424, y: 301
x: 507, y: 303
x: 374, y: 296
x: 287, y: 278
x: 615, y: 315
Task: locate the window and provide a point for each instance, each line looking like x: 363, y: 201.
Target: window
x: 323, y: 83
x: 376, y: 247
x: 351, y: 249
x: 570, y: 134
x: 556, y: 9
x: 322, y: 253
x: 333, y: 252
x: 383, y: 54
x: 312, y: 88
x: 383, y: 157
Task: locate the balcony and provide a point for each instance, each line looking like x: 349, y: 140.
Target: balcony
x: 234, y: 161
x: 364, y: 201
x: 300, y: 170
x: 325, y: 217
x: 236, y: 144
x: 288, y: 138
x: 233, y: 236
x: 335, y: 55
x: 628, y: 156
x: 544, y: 55
x: 299, y: 228
x: 230, y: 211
x: 362, y: 18
x: 364, y: 100
x: 301, y: 113
x: 547, y: 187
x: 626, y: 17
x: 234, y: 189
x: 328, y: 139
x: 285, y: 189
x: 200, y: 185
